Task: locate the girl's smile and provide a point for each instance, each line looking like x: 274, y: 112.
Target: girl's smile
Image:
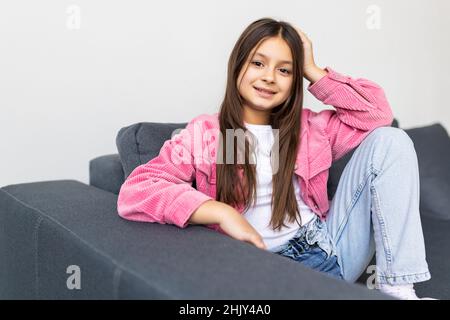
x: 266, y: 94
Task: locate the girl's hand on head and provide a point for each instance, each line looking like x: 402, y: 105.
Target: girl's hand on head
x: 310, y: 70
x: 309, y: 63
x: 235, y: 225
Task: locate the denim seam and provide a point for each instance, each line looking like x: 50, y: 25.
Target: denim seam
x: 348, y: 212
x: 382, y: 223
x: 404, y: 275
x: 351, y: 205
x: 415, y: 277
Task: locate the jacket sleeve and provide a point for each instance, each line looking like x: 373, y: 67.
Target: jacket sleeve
x: 160, y: 190
x: 361, y: 106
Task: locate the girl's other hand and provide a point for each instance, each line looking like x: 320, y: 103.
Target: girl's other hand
x: 307, y: 50
x: 235, y: 225
x: 310, y: 70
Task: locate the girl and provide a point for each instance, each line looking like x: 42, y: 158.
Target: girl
x: 376, y: 205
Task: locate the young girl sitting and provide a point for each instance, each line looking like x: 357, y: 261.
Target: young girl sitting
x: 270, y: 189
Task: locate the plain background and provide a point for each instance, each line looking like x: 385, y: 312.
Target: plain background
x: 72, y: 73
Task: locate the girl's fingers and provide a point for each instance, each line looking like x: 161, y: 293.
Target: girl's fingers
x: 302, y: 35
x: 259, y: 245
x: 301, y: 32
x: 258, y: 242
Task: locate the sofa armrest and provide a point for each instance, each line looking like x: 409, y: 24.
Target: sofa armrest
x: 46, y: 227
x: 106, y: 173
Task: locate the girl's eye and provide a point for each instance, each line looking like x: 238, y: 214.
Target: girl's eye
x: 257, y: 63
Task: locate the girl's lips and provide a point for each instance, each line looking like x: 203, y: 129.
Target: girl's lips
x: 264, y: 94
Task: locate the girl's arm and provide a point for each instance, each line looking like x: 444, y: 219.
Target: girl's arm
x: 361, y: 106
x: 210, y: 212
x: 160, y: 190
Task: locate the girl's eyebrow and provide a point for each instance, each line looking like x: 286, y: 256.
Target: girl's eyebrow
x: 264, y: 56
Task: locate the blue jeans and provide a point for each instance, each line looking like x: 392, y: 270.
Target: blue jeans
x: 312, y: 247
x: 376, y: 210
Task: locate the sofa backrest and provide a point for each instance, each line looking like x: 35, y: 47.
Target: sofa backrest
x: 139, y: 143
x: 432, y: 145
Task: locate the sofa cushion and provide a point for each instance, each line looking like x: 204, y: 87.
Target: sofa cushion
x: 45, y: 227
x: 139, y: 143
x: 432, y: 145
x: 337, y: 167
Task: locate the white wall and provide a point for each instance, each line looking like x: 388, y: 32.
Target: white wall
x: 64, y: 92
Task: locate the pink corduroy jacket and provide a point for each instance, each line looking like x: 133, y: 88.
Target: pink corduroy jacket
x: 161, y: 191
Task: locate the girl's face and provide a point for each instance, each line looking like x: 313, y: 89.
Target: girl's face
x: 270, y: 69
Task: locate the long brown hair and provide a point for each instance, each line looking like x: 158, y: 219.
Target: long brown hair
x: 234, y: 188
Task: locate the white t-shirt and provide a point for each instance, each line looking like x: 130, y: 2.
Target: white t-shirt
x: 260, y: 214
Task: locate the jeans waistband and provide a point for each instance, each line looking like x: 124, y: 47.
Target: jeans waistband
x: 315, y: 231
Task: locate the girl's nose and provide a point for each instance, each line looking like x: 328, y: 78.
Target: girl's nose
x: 268, y: 76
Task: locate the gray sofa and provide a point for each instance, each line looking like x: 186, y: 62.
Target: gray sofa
x: 47, y: 227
